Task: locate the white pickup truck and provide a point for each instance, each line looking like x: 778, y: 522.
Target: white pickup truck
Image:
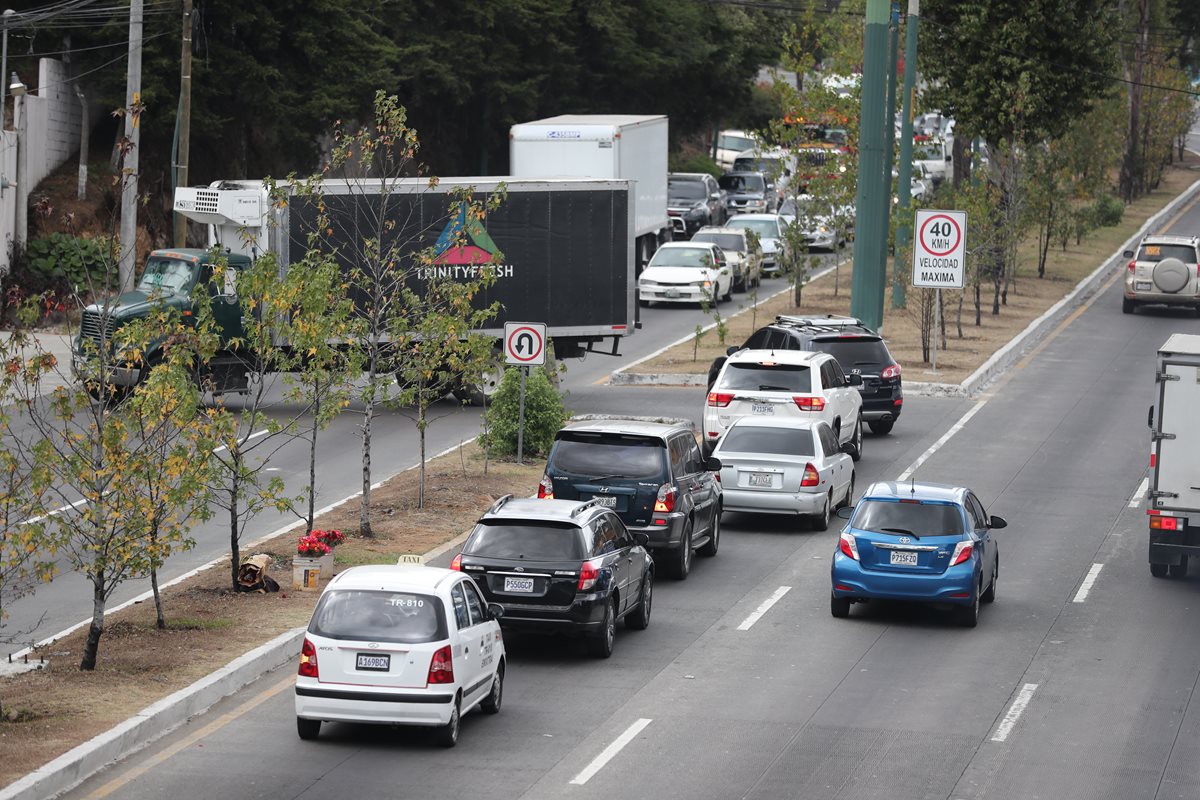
x: 1174, y: 495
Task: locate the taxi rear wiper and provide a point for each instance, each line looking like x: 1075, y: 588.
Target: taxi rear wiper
x: 904, y: 531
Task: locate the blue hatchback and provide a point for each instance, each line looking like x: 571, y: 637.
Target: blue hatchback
x: 925, y: 542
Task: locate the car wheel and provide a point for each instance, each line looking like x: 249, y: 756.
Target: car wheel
x: 644, y: 303
x: 882, y: 427
x: 639, y: 619
x: 683, y: 556
x: 1127, y: 305
x: 601, y: 644
x: 839, y: 606
x: 820, y: 521
x: 968, y: 615
x: 849, y: 498
x: 714, y: 537
x: 1179, y: 570
x: 495, y: 698
x: 308, y: 728
x: 728, y: 296
x: 1158, y: 570
x: 447, y: 735
x: 857, y: 440
x: 989, y: 596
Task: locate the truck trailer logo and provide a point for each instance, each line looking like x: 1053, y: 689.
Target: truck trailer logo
x: 463, y: 249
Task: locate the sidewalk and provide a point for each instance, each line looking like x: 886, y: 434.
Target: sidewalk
x: 55, y: 344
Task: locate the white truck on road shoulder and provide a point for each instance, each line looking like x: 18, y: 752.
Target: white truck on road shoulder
x: 1173, y: 499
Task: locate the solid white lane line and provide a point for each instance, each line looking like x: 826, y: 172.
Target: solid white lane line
x: 757, y: 613
x: 1086, y: 586
x: 1014, y: 712
x: 59, y: 510
x: 933, y: 448
x: 254, y: 435
x: 1136, y: 500
x: 609, y: 752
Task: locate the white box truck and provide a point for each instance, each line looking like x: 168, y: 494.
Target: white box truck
x: 1173, y: 499
x: 603, y: 146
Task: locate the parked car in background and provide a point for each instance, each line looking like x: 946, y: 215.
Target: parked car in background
x: 409, y: 645
x: 694, y: 200
x: 745, y: 257
x: 651, y: 474
x: 933, y: 157
x: 749, y: 192
x: 776, y: 465
x: 927, y: 542
x: 820, y: 227
x: 731, y: 144
x: 785, y: 384
x: 561, y: 566
x: 770, y: 231
x: 1165, y: 270
x: 687, y: 272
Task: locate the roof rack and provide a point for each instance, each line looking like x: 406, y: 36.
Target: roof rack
x: 827, y: 321
x: 499, y: 504
x: 584, y: 506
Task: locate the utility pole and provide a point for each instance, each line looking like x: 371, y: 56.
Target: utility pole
x: 903, y: 234
x: 185, y: 119
x: 129, y: 165
x: 871, y: 229
x: 889, y: 124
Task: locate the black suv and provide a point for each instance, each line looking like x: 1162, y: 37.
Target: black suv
x: 858, y: 349
x: 561, y: 566
x: 651, y: 474
x: 694, y: 200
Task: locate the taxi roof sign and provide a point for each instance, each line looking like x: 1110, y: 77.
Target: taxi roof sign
x: 410, y: 560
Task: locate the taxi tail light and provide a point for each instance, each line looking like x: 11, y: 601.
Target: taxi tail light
x: 308, y: 660
x: 1132, y: 265
x: 891, y: 372
x: 441, y: 667
x: 664, y: 503
x: 1160, y: 523
x: 962, y: 552
x: 589, y: 573
x: 848, y: 545
x: 810, y: 403
x: 456, y: 562
x: 719, y: 399
x: 546, y: 488
x: 811, y: 476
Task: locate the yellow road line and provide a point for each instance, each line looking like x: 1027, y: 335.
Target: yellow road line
x: 218, y: 723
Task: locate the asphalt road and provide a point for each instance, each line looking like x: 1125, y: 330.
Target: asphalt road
x: 1069, y: 688
x: 67, y: 600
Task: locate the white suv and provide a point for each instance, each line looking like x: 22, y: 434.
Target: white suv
x: 801, y: 384
x: 1166, y: 270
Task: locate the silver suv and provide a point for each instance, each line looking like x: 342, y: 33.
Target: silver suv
x: 1166, y: 270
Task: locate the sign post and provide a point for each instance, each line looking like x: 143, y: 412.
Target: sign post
x: 524, y: 346
x: 939, y: 257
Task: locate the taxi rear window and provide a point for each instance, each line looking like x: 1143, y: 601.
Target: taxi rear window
x: 1157, y: 252
x: 379, y: 616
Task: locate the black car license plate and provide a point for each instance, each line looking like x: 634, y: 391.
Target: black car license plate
x: 376, y: 662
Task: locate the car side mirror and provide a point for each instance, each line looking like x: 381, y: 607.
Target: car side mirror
x: 1150, y: 417
x: 1127, y: 254
x: 712, y: 464
x: 847, y: 448
x: 642, y: 539
x: 731, y: 350
x: 996, y: 523
x: 854, y: 380
x: 715, y: 196
x: 845, y: 512
x: 495, y: 611
x: 949, y: 158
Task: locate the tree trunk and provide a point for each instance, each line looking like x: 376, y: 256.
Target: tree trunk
x: 92, y: 647
x: 958, y: 316
x: 978, y: 307
x: 1044, y: 241
x: 235, y: 554
x: 941, y: 314
x: 1131, y: 166
x: 312, y: 456
x: 421, y: 436
x: 364, y: 508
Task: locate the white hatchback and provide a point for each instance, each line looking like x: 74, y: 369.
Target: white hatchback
x: 409, y: 645
x: 802, y: 384
x: 686, y: 272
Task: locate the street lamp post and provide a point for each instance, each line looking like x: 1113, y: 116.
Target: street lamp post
x: 4, y: 18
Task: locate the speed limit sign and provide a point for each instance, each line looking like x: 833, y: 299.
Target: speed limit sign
x: 940, y: 249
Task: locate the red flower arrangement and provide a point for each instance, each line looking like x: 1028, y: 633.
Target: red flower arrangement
x: 331, y: 537
x: 311, y: 546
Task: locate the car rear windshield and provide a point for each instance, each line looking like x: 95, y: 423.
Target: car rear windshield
x: 599, y: 455
x: 765, y: 228
x: 854, y: 351
x: 772, y: 441
x: 920, y: 519
x: 379, y: 616
x: 764, y: 378
x: 682, y: 257
x: 1157, y: 252
x: 743, y: 183
x: 767, y: 166
x: 686, y: 190
x: 739, y: 143
x: 537, y: 540
x: 729, y: 242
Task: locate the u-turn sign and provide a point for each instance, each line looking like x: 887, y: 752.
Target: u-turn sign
x: 525, y: 343
x: 940, y: 249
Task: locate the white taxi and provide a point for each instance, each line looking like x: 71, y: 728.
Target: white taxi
x: 404, y: 644
x: 800, y: 384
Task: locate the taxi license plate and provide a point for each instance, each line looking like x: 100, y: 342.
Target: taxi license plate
x: 374, y: 662
x: 762, y: 408
x: 608, y: 501
x: 671, y: 293
x: 760, y: 479
x: 904, y: 558
x: 1141, y: 286
x: 518, y: 584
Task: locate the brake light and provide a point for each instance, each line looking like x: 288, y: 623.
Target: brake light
x: 665, y: 502
x: 588, y: 575
x: 1153, y: 460
x: 848, y: 545
x: 441, y: 667
x: 1132, y: 265
x: 811, y: 476
x: 546, y: 488
x: 962, y: 552
x: 1164, y: 523
x: 719, y: 399
x: 891, y: 372
x: 308, y: 660
x: 810, y: 403
x: 456, y: 562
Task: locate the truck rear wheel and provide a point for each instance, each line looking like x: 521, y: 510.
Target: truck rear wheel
x: 1158, y: 570
x: 481, y: 391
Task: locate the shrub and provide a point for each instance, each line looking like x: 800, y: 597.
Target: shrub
x: 61, y: 262
x: 695, y: 162
x: 544, y: 414
x: 1106, y: 211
